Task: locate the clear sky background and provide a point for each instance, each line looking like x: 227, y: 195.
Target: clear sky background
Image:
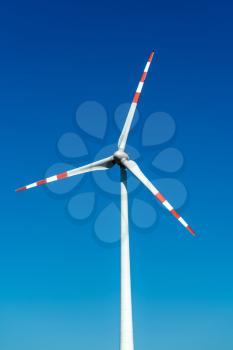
x: 59, y: 287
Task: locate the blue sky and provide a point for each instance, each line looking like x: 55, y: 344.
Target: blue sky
x: 59, y: 288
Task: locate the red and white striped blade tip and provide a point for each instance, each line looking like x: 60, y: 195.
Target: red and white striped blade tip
x: 191, y: 230
x: 163, y: 200
x: 152, y: 54
x: 21, y: 189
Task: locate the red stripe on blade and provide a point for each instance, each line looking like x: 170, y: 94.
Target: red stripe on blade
x: 136, y: 97
x: 143, y: 77
x: 41, y: 182
x: 62, y: 175
x: 160, y: 197
x: 191, y: 230
x: 151, y: 56
x: 174, y: 212
x: 21, y: 189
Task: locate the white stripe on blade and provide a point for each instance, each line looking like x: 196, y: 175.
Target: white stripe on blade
x: 183, y: 222
x: 167, y: 205
x: 147, y: 67
x: 139, y: 88
x: 51, y: 179
x: 32, y: 185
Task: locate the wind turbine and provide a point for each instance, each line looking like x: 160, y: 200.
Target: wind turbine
x: 121, y: 158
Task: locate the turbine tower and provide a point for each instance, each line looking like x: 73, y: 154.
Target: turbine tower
x: 122, y: 159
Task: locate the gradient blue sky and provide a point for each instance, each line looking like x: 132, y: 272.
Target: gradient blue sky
x: 59, y: 288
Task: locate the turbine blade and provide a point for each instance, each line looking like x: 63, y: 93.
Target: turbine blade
x: 134, y: 168
x: 129, y: 118
x: 102, y: 164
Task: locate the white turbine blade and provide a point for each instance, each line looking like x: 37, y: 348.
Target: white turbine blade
x: 126, y: 335
x: 134, y: 168
x: 102, y: 164
x: 129, y: 118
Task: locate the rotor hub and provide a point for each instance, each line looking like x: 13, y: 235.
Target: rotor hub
x: 119, y: 156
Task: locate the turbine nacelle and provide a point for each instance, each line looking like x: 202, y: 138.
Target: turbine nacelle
x: 119, y: 156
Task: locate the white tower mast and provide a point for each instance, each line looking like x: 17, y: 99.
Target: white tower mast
x: 126, y: 327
